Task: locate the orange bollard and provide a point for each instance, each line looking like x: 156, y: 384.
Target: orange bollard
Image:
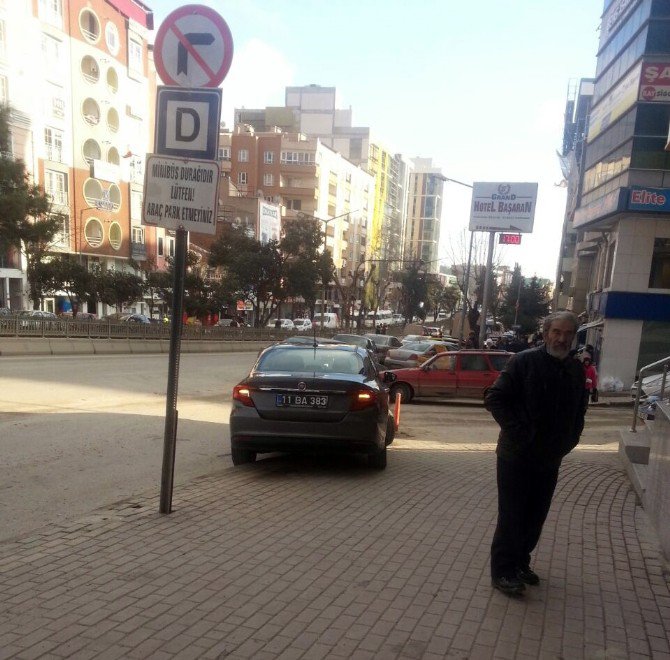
x: 396, y: 411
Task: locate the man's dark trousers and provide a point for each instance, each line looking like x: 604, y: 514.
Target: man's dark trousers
x: 524, y: 497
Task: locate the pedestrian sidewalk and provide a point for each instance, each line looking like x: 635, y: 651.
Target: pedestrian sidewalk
x: 291, y: 558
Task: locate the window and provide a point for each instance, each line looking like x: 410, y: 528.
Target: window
x: 55, y: 185
x: 268, y: 179
x: 135, y: 59
x: 4, y: 92
x: 138, y: 235
x: 112, y: 38
x: 224, y: 153
x: 294, y: 204
x: 170, y: 247
x: 243, y: 155
x: 297, y: 157
x: 53, y: 144
x: 89, y: 25
x: 115, y: 235
x: 474, y: 363
x: 659, y: 277
x: 135, y: 204
x: 51, y: 11
x: 268, y: 157
x: 445, y: 363
x: 51, y: 54
x: 242, y: 178
x: 160, y: 247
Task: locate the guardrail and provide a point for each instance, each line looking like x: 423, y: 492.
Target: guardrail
x: 660, y: 364
x: 72, y: 329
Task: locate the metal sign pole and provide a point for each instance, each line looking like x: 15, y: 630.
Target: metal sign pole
x: 488, y: 282
x: 171, y: 413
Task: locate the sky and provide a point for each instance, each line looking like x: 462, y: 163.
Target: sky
x: 479, y: 87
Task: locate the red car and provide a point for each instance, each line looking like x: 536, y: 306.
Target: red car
x: 454, y: 374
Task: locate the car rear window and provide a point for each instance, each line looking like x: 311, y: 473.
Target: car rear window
x: 321, y: 360
x: 499, y: 361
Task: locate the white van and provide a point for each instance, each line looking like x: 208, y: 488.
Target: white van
x: 382, y: 316
x: 330, y: 321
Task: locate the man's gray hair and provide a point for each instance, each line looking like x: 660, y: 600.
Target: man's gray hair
x: 560, y: 316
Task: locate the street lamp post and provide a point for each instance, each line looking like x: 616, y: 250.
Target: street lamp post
x: 467, y: 269
x: 325, y: 238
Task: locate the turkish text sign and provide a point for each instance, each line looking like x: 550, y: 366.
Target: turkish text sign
x: 180, y: 193
x: 503, y: 207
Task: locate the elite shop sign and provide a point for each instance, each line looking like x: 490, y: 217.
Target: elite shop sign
x: 503, y: 206
x: 180, y: 193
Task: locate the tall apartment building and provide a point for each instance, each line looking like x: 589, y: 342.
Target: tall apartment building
x: 577, y: 108
x: 422, y: 234
x: 302, y: 176
x: 622, y: 221
x: 79, y: 76
x: 312, y: 111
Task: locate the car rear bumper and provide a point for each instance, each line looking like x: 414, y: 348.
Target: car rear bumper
x: 356, y: 433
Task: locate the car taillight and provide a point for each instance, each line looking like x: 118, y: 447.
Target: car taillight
x: 363, y: 399
x: 242, y: 393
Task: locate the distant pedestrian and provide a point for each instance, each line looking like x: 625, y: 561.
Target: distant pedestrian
x: 591, y: 376
x: 472, y: 341
x: 539, y: 402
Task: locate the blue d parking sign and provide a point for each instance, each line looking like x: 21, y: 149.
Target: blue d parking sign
x: 187, y: 122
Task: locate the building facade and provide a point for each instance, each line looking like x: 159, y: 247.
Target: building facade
x: 80, y: 78
x: 622, y: 219
x: 424, y: 217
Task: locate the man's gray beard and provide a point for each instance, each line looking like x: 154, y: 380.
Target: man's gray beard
x: 560, y: 353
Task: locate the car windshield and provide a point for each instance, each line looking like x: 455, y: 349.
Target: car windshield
x: 321, y: 360
x: 380, y: 340
x: 499, y: 361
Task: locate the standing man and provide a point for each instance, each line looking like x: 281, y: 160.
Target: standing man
x: 539, y: 402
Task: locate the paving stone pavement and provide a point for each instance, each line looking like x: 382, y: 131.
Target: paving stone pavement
x: 308, y: 558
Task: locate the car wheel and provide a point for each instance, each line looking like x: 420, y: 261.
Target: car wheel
x: 377, y: 460
x: 242, y: 456
x: 404, y: 390
x: 390, y: 431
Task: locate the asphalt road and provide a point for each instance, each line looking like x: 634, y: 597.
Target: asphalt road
x: 81, y: 432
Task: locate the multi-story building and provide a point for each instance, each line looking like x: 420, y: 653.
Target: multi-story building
x: 80, y: 77
x: 577, y: 107
x: 422, y: 234
x: 302, y: 176
x: 622, y: 221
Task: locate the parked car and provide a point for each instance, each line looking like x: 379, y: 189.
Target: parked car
x: 284, y: 324
x: 302, y: 325
x: 37, y: 315
x: 383, y: 343
x: 357, y: 340
x: 416, y: 353
x: 457, y: 374
x: 126, y: 317
x: 330, y: 321
x: 310, y: 398
x: 397, y: 319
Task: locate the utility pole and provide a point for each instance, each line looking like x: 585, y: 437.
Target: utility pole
x: 488, y: 281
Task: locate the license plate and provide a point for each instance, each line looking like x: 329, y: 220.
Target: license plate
x: 301, y: 401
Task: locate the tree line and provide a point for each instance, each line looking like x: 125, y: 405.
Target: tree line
x: 238, y: 267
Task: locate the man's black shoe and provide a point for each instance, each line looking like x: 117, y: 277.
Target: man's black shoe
x: 528, y: 576
x: 510, y: 586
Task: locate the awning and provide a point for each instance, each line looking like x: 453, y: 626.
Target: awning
x: 592, y: 324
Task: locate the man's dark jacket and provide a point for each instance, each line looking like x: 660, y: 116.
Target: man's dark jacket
x: 539, y: 402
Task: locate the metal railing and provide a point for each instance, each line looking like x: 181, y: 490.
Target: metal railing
x: 15, y: 326
x: 663, y: 364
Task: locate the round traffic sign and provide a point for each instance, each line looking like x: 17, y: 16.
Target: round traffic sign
x: 194, y: 47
